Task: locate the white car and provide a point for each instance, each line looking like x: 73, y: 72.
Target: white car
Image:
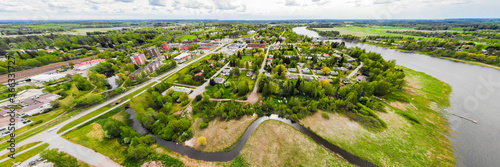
x: 51, y: 129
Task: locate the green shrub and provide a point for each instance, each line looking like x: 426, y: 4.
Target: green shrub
x: 239, y: 162
x: 203, y: 125
x: 325, y: 115
x: 409, y: 117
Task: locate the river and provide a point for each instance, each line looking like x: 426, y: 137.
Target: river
x: 476, y: 95
x: 230, y: 155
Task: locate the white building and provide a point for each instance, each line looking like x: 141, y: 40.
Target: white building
x: 182, y: 89
x: 183, y: 57
x: 41, y: 78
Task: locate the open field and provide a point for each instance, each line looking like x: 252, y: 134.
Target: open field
x: 83, y: 31
x: 362, y: 32
x: 274, y: 143
x: 220, y: 134
x: 390, y: 28
x: 405, y: 142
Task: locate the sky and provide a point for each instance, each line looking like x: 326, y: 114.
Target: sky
x: 246, y: 9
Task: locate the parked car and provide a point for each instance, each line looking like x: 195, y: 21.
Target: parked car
x: 32, y: 163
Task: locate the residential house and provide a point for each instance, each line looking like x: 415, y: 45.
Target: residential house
x: 249, y: 73
x: 306, y: 70
x: 308, y: 78
x: 226, y: 71
x: 292, y: 76
x: 268, y: 75
x: 292, y: 69
x: 219, y: 80
x: 361, y: 78
x: 333, y: 72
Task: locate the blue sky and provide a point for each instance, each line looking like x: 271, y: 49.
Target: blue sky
x: 246, y: 9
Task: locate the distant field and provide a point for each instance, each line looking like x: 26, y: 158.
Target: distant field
x: 362, y: 32
x: 390, y: 28
x: 83, y: 31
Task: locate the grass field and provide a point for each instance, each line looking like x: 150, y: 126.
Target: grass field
x: 390, y: 28
x: 92, y: 136
x: 403, y: 143
x: 274, y: 143
x: 220, y: 134
x: 188, y: 37
x: 24, y: 156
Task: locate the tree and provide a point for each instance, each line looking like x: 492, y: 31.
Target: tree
x: 325, y: 70
x: 59, y: 158
x: 324, y: 82
x: 111, y: 128
x: 280, y: 69
x: 202, y: 141
x: 236, y: 71
x: 138, y: 152
x: 242, y: 88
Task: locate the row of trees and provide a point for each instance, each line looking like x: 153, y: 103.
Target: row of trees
x: 154, y: 111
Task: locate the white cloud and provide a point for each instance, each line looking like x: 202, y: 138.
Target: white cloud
x: 243, y: 9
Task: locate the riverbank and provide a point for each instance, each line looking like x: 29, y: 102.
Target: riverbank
x: 416, y: 134
x: 425, y: 53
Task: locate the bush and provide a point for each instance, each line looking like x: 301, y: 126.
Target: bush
x: 202, y: 141
x: 325, y: 115
x: 239, y: 162
x: 198, y: 98
x: 409, y: 117
x: 203, y: 125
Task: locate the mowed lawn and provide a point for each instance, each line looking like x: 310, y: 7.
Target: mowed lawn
x: 188, y: 37
x: 275, y: 143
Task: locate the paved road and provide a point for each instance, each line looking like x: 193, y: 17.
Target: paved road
x: 90, y: 155
x: 355, y: 71
x: 261, y: 70
x: 201, y: 89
